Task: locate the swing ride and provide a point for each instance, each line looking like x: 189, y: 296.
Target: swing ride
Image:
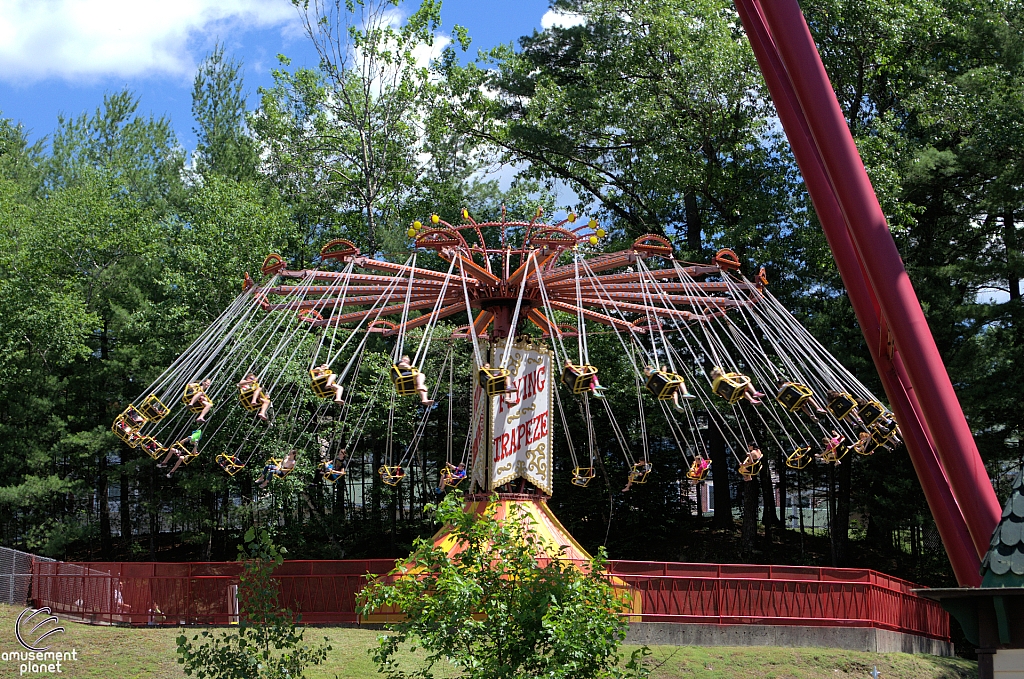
x: 704, y: 344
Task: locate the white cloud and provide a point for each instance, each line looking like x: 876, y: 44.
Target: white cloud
x: 555, y: 19
x: 94, y: 38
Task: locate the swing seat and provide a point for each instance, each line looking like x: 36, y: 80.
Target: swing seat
x: 639, y: 472
x: 731, y: 387
x: 842, y: 405
x: 153, y: 409
x: 881, y: 436
x: 228, y: 464
x: 492, y: 380
x: 868, y: 448
x: 578, y: 377
x: 750, y: 469
x: 152, y: 447
x: 135, y: 418
x: 190, y: 391
x: 275, y: 464
x: 331, y: 475
x: 793, y: 396
x: 404, y: 380
x: 392, y: 476
x: 869, y: 412
x: 885, y: 425
x: 125, y: 431
x: 183, y: 450
x: 245, y: 397
x: 581, y: 476
x: 318, y: 383
x: 799, y: 458
x: 451, y: 477
x: 697, y: 473
x: 663, y: 385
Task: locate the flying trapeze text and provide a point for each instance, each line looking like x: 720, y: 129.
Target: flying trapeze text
x: 509, y: 443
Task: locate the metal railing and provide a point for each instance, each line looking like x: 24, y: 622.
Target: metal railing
x: 16, y: 575
x: 325, y: 592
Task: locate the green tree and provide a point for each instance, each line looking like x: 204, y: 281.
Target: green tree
x: 266, y: 644
x: 218, y: 106
x: 503, y: 605
x: 350, y: 130
x: 648, y: 109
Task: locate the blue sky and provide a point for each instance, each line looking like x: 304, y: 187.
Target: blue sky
x: 61, y: 56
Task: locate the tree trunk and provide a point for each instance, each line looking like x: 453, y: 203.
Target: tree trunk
x: 748, y: 538
x: 125, y: 507
x: 840, y: 529
x: 104, y: 506
x: 154, y: 522
x: 1010, y: 242
x: 769, y: 517
x: 720, y: 476
x: 783, y: 492
x: 693, y: 223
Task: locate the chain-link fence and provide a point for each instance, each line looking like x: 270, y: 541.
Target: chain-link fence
x: 16, y: 575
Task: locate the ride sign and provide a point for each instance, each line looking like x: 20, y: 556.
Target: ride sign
x: 518, y: 443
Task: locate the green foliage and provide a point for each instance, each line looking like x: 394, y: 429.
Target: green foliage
x: 501, y: 606
x: 266, y: 645
x: 218, y: 105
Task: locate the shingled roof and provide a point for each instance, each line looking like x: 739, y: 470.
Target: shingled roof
x: 1003, y: 565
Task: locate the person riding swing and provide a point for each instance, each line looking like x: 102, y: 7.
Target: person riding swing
x: 249, y: 386
x: 666, y: 385
x: 405, y: 369
x: 199, y: 398
x: 324, y: 373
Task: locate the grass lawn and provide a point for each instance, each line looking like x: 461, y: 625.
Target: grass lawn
x: 123, y: 653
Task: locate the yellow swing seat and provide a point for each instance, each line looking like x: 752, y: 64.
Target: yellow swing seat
x: 245, y: 397
x: 793, y: 395
x: 152, y: 447
x: 135, y: 418
x: 391, y: 476
x: 799, y: 458
x: 842, y: 405
x: 183, y: 450
x: 866, y: 448
x: 124, y: 430
x: 450, y: 476
x: 880, y: 436
x: 663, y: 385
x: 404, y: 380
x: 578, y: 377
x: 750, y: 468
x: 331, y: 475
x: 869, y: 412
x: 731, y: 386
x: 638, y: 473
x: 276, y: 470
x: 191, y: 389
x: 697, y: 473
x: 228, y: 464
x: 318, y: 383
x: 153, y: 408
x: 492, y: 380
x: 581, y: 476
x: 885, y: 426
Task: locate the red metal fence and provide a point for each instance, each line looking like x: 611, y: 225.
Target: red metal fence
x: 140, y: 593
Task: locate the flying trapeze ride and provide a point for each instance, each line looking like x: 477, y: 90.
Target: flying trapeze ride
x: 268, y: 379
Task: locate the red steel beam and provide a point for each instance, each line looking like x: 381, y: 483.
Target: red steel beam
x: 949, y: 519
x: 443, y: 312
x: 884, y: 268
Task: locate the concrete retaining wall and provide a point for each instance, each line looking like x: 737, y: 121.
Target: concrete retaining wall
x: 848, y: 638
